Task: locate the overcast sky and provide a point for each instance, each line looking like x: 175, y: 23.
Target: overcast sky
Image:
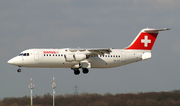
x: 89, y: 24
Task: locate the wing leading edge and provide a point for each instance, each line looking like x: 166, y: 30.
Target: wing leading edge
x: 98, y: 51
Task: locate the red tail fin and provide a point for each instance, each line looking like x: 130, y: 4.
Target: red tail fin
x: 145, y: 39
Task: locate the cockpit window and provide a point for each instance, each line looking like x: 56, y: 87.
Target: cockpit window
x: 24, y: 54
x: 21, y: 54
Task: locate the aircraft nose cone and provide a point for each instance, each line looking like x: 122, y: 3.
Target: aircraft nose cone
x: 15, y: 61
x: 11, y: 61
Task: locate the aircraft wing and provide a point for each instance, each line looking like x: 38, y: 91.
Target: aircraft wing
x: 99, y: 51
x: 94, y: 51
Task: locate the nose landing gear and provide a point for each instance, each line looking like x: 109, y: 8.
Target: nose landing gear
x: 19, y: 70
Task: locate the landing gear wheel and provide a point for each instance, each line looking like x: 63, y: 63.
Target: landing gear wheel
x: 76, y: 71
x: 19, y: 70
x: 85, y: 70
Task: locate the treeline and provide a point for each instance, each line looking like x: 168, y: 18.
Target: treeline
x: 84, y: 99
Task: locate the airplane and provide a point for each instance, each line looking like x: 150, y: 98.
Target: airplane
x: 80, y: 58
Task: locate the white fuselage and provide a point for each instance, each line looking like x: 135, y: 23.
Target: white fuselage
x: 139, y: 49
x: 57, y: 58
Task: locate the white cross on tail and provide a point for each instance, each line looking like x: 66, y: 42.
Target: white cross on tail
x: 145, y: 41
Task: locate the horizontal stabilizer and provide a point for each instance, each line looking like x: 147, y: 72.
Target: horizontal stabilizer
x: 155, y: 30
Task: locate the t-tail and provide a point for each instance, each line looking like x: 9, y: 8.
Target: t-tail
x: 145, y: 39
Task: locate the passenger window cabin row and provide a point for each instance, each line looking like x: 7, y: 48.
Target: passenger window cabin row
x: 90, y: 56
x: 53, y: 55
x: 107, y: 56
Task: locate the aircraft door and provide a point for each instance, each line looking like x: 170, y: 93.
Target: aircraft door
x: 22, y: 59
x: 123, y: 56
x: 36, y: 55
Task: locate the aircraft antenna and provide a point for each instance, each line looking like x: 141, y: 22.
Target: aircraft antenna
x: 76, y: 88
x: 31, y: 87
x: 53, y: 86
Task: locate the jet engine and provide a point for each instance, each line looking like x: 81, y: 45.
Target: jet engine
x: 75, y: 57
x: 80, y: 57
x: 69, y: 57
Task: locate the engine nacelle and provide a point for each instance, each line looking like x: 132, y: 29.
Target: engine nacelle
x: 69, y: 57
x: 80, y: 57
x: 75, y: 57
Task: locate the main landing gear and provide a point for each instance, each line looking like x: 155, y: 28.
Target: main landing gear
x: 77, y: 72
x: 85, y: 70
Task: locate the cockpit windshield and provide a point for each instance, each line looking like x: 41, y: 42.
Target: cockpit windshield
x: 24, y: 54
